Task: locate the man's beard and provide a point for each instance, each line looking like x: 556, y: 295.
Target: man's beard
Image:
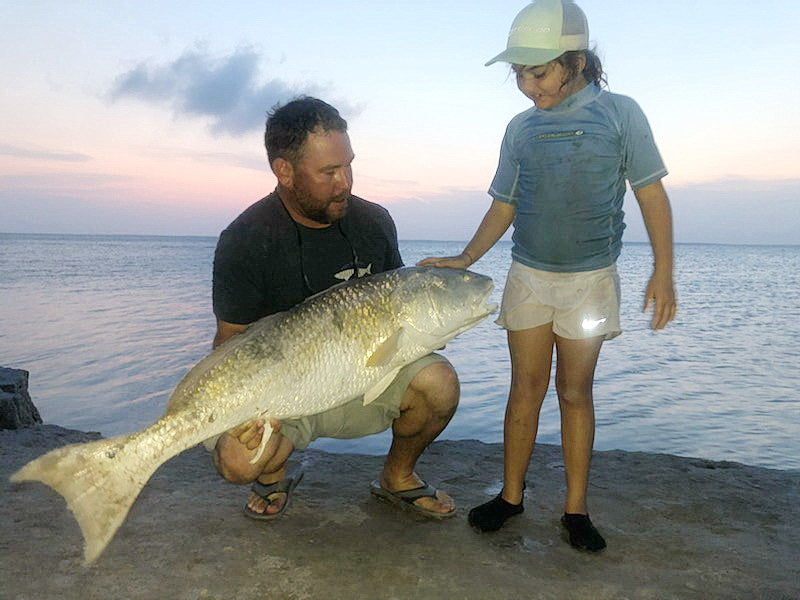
x: 319, y: 214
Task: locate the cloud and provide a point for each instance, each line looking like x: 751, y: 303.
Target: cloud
x: 447, y: 215
x: 228, y: 90
x: 241, y: 161
x: 77, y: 212
x: 730, y: 211
x: 84, y: 184
x: 40, y: 154
x: 722, y: 212
x: 738, y: 211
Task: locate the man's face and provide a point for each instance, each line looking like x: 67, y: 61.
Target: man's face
x: 323, y: 177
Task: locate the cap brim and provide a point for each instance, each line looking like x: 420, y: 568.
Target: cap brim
x: 526, y: 56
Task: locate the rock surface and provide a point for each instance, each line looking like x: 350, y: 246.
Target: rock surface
x: 16, y: 408
x: 677, y: 528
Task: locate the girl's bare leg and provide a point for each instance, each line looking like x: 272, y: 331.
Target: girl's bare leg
x: 574, y: 379
x: 531, y: 358
x: 575, y: 367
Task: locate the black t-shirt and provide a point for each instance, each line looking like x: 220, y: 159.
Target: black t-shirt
x: 266, y: 263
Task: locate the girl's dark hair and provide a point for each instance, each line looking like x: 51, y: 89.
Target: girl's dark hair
x: 592, y: 72
x: 288, y: 126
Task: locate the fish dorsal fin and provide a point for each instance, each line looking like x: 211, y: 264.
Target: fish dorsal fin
x: 387, y: 350
x: 377, y: 389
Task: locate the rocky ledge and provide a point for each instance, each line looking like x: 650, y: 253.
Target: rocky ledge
x: 677, y: 528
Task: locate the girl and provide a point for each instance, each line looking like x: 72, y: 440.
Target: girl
x: 561, y: 180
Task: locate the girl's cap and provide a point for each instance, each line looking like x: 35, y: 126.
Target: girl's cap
x: 544, y: 30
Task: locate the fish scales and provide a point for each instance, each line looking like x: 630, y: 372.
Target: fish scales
x: 343, y: 343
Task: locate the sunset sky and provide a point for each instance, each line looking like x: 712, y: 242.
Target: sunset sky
x: 147, y: 117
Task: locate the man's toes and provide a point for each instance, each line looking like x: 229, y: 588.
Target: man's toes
x: 271, y: 506
x: 446, y: 502
x: 276, y: 504
x: 442, y: 503
x: 256, y: 504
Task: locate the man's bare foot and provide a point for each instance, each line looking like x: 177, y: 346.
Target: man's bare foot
x: 272, y: 505
x: 269, y: 500
x: 440, y: 503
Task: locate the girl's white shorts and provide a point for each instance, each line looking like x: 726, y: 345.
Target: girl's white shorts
x: 579, y: 305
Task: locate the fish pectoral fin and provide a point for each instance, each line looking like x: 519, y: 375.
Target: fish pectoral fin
x: 422, y: 338
x: 264, y: 439
x: 386, y: 350
x: 377, y: 389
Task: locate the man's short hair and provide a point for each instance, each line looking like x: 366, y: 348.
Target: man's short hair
x: 288, y: 126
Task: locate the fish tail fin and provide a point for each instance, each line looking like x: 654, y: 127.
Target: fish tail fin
x: 100, y: 481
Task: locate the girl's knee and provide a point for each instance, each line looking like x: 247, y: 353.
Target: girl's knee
x: 528, y: 391
x: 576, y: 396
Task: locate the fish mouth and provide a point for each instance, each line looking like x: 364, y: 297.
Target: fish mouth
x: 477, y: 318
x: 483, y: 303
x: 482, y: 307
x: 486, y: 309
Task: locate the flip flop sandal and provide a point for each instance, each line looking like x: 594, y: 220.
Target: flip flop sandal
x: 264, y: 490
x: 406, y: 499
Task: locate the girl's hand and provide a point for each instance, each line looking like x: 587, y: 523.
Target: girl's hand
x: 661, y: 293
x: 462, y: 261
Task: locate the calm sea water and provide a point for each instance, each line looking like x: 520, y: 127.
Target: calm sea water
x: 107, y: 326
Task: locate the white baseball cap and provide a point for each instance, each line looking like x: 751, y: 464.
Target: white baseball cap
x: 545, y: 30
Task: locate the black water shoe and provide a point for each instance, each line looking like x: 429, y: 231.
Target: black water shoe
x: 582, y: 534
x: 491, y: 515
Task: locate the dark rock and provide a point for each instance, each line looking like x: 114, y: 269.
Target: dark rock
x: 16, y: 408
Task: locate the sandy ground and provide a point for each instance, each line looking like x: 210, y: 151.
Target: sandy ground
x: 676, y: 528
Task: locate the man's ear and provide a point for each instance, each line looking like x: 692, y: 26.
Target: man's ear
x: 284, y: 171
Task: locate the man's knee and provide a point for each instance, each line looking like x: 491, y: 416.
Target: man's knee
x: 438, y: 387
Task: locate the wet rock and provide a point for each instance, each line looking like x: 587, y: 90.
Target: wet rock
x: 16, y: 407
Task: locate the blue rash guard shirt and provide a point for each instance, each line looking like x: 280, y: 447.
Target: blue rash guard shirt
x: 565, y: 170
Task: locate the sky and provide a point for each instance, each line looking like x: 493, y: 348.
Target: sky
x: 147, y: 117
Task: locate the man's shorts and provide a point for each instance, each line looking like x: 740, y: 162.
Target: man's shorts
x: 579, y: 305
x: 353, y: 420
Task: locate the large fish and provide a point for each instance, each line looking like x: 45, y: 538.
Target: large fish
x: 347, y: 341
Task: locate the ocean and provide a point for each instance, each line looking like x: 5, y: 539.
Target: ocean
x: 108, y: 325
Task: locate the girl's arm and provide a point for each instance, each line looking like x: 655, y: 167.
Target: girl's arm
x: 495, y: 223
x: 657, y: 215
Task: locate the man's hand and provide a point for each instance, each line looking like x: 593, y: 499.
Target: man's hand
x: 249, y: 434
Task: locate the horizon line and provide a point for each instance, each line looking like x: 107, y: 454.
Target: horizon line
x: 463, y: 241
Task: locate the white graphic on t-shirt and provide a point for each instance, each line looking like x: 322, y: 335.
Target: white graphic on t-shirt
x: 348, y: 273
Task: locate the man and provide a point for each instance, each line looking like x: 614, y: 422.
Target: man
x: 309, y: 234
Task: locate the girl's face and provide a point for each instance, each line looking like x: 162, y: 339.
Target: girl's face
x: 547, y: 85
